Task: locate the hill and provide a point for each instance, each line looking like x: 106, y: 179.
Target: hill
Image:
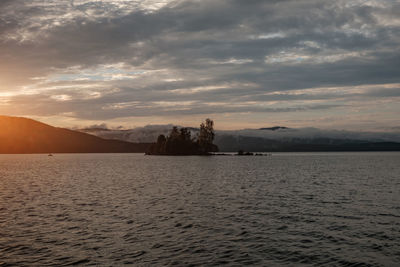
x: 22, y: 135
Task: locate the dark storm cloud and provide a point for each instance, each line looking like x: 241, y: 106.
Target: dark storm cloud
x: 275, y: 46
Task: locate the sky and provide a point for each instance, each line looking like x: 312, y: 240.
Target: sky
x: 244, y: 63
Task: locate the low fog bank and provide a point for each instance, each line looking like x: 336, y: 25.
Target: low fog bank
x: 315, y: 133
x: 147, y: 134
x: 150, y: 133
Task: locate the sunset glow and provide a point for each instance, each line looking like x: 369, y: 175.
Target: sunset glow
x: 133, y: 63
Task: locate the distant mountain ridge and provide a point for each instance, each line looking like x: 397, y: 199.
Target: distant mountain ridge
x: 274, y: 128
x: 228, y: 143
x: 22, y: 135
x: 272, y: 139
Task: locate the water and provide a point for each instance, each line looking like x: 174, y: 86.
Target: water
x: 334, y: 209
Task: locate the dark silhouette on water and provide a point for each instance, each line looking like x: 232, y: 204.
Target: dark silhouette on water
x: 242, y: 153
x: 180, y: 142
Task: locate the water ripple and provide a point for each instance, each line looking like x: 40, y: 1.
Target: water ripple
x: 335, y: 209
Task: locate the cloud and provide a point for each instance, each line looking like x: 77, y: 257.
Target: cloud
x: 114, y: 59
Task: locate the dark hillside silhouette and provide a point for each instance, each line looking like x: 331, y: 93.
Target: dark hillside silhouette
x: 180, y: 142
x: 22, y: 135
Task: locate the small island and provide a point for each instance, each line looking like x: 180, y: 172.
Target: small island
x: 181, y: 143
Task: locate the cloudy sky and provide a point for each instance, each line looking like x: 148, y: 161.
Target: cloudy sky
x: 244, y: 63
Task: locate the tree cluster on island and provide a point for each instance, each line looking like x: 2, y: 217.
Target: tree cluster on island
x: 181, y: 142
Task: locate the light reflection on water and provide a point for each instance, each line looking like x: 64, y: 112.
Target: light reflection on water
x: 288, y: 209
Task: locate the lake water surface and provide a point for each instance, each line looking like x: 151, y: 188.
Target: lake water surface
x: 334, y: 209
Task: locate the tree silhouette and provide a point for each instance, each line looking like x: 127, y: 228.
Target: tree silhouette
x: 160, y: 146
x: 206, y: 136
x: 180, y: 142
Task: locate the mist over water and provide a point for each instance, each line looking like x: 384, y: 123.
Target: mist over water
x: 338, y: 209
